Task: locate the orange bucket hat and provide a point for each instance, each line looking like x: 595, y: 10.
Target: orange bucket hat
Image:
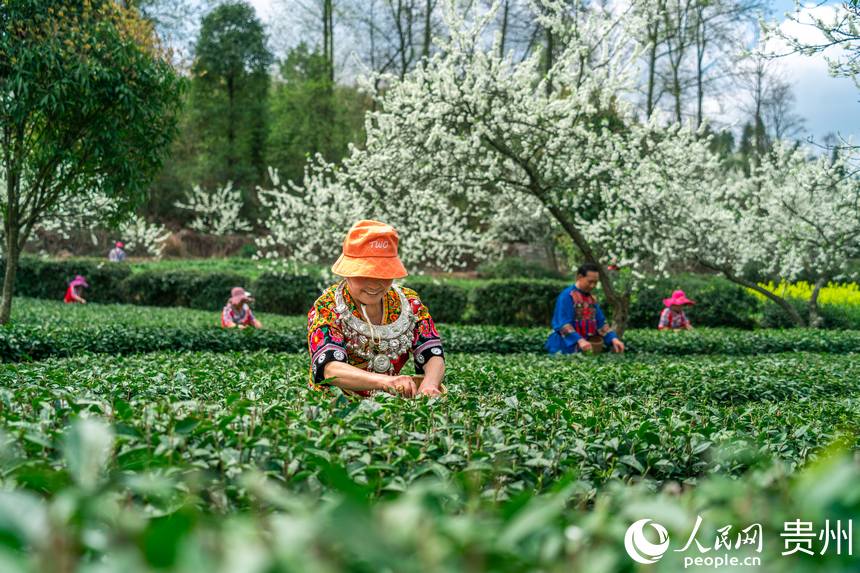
x: 370, y: 250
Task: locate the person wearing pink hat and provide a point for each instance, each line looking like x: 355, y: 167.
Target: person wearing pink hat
x: 74, y: 290
x: 237, y: 312
x: 117, y: 254
x: 673, y: 316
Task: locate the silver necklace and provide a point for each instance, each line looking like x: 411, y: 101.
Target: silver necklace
x: 381, y: 344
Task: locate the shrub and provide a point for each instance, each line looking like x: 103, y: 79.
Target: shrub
x: 49, y: 279
x: 515, y: 267
x: 514, y: 302
x: 834, y: 316
x: 205, y: 291
x: 718, y: 302
x: 285, y: 294
x: 446, y: 302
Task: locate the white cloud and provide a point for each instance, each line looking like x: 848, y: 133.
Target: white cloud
x: 830, y: 105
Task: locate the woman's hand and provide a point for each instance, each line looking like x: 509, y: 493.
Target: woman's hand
x: 430, y: 390
x: 398, y: 385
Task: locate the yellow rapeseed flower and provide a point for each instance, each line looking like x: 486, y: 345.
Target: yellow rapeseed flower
x: 833, y: 293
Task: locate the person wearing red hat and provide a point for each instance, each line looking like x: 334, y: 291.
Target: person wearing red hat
x: 363, y: 329
x: 74, y: 292
x: 117, y: 254
x: 237, y: 312
x: 673, y: 316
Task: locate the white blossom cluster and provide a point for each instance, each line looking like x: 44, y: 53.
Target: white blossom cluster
x: 92, y: 212
x: 216, y: 212
x: 793, y: 217
x: 138, y: 233
x: 474, y: 143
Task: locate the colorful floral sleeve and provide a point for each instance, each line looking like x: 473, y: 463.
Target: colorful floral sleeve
x: 426, y: 342
x: 325, y: 339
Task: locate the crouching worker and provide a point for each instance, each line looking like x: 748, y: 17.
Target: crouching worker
x: 673, y: 316
x: 75, y: 291
x: 362, y: 331
x: 578, y: 323
x: 237, y: 312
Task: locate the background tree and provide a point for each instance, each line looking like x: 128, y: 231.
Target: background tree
x: 309, y: 115
x: 228, y: 103
x: 87, y: 101
x: 466, y: 140
x: 839, y: 42
x: 792, y: 218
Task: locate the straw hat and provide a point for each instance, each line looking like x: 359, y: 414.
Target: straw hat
x: 370, y: 250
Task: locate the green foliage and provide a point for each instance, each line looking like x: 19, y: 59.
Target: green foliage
x: 89, y: 100
x: 206, y: 291
x: 229, y: 92
x: 436, y: 526
x: 718, y: 302
x: 839, y: 316
x: 310, y: 115
x: 49, y: 279
x: 446, y: 301
x: 291, y: 294
x: 514, y: 302
x: 515, y: 267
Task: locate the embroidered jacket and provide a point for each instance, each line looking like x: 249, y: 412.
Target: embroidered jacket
x: 327, y: 343
x: 577, y: 315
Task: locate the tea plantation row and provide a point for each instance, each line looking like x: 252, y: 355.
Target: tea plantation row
x: 107, y: 521
x: 44, y: 330
x: 514, y: 424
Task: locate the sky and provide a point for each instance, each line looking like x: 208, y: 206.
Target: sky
x: 829, y: 105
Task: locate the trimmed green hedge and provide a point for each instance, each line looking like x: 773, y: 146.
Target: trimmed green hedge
x: 505, y: 302
x: 446, y: 302
x: 285, y: 294
x: 718, y: 302
x: 40, y: 278
x: 27, y: 342
x: 514, y: 302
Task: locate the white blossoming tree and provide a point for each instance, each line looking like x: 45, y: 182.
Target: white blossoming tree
x: 793, y: 217
x: 473, y: 135
x: 141, y: 234
x: 216, y: 212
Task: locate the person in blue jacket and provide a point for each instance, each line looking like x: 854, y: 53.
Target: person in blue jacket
x: 578, y: 323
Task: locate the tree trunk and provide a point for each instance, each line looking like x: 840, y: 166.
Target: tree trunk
x: 428, y: 32
x: 548, y: 60
x: 620, y: 302
x: 815, y: 320
x: 701, y: 43
x: 232, y: 155
x: 621, y: 315
x: 330, y: 41
x: 12, y: 255
x: 503, y: 34
x: 652, y: 71
x: 783, y: 303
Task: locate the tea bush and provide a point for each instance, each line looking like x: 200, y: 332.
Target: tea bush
x: 514, y: 424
